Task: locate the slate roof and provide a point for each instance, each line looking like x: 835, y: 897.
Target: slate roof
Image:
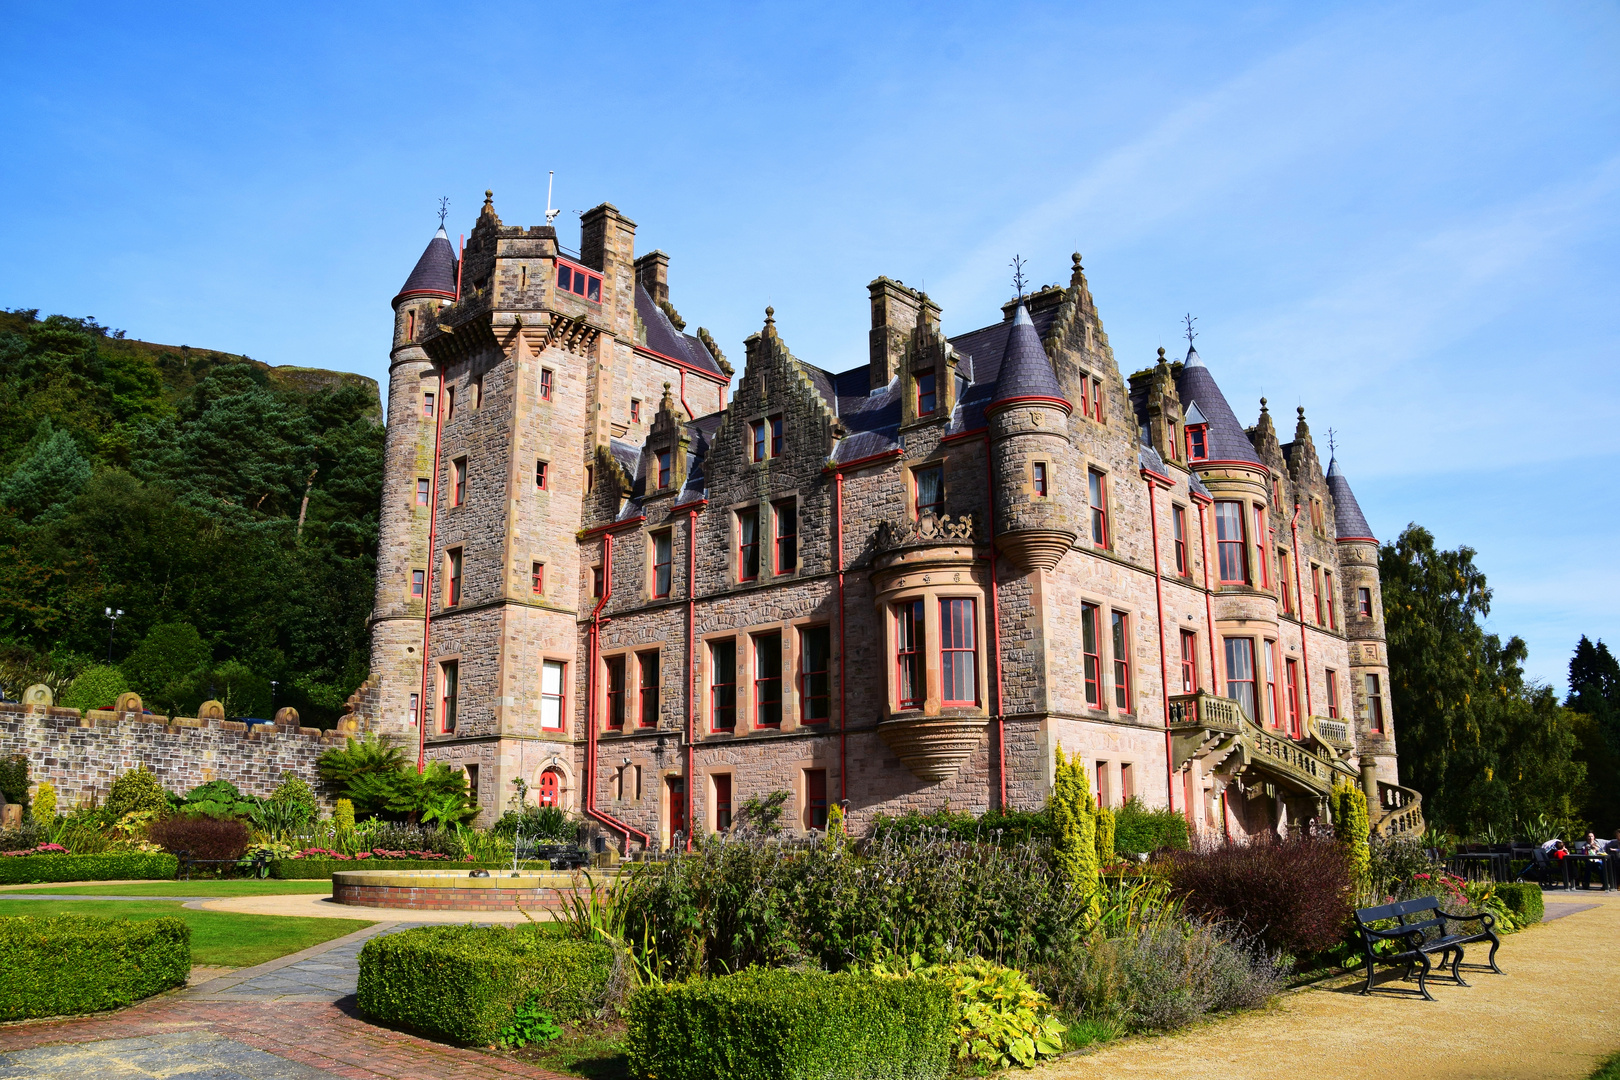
x: 435, y: 272
x: 1025, y: 370
x: 1349, y: 523
x: 1225, y: 438
x: 662, y: 337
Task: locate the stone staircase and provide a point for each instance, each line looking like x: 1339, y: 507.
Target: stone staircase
x: 1399, y: 811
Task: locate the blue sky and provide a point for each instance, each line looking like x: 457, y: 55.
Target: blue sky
x: 1403, y: 217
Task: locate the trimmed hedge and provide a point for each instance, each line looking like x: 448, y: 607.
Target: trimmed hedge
x: 316, y: 869
x: 462, y: 984
x: 1140, y: 831
x: 86, y: 963
x: 778, y: 1024
x: 1524, y: 899
x: 111, y: 866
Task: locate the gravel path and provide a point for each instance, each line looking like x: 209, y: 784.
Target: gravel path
x: 1555, y: 1015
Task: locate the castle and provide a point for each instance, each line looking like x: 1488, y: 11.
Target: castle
x: 902, y: 586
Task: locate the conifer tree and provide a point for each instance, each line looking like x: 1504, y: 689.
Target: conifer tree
x: 1074, y: 826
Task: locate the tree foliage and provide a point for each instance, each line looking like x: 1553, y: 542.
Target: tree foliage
x: 1594, y: 695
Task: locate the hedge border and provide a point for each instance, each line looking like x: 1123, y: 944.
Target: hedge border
x: 107, y: 866
x: 70, y: 964
x: 1524, y: 899
x: 317, y: 869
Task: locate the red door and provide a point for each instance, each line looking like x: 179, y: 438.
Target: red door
x: 677, y: 808
x: 549, y: 787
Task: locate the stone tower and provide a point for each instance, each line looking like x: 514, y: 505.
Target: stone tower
x: 1029, y: 432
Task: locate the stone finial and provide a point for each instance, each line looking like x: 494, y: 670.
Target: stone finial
x: 39, y: 694
x: 211, y: 710
x: 1263, y: 409
x: 1162, y: 361
x: 770, y: 321
x: 288, y: 716
x: 127, y: 702
x: 1302, y: 430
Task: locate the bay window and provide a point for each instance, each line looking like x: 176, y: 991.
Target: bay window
x: 908, y: 641
x: 1230, y: 542
x: 958, y: 655
x: 1240, y: 672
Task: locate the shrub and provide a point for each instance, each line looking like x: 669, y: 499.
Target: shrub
x: 136, y: 789
x: 1394, y: 866
x: 30, y: 834
x: 1140, y: 831
x: 79, y: 963
x: 201, y: 837
x: 464, y: 984
x: 318, y: 869
x: 112, y: 866
x: 219, y: 799
x: 1350, y: 827
x: 396, y: 837
x: 1007, y: 827
x: 44, y: 810
x: 1001, y: 1020
x: 1106, y: 820
x: 14, y: 779
x: 1294, y: 895
x: 1162, y: 976
x: 343, y: 816
x: 1074, y: 826
x: 96, y: 687
x: 1523, y: 899
x: 537, y: 823
x: 294, y: 792
x: 791, y: 1025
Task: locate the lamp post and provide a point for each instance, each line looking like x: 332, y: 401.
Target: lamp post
x: 112, y: 621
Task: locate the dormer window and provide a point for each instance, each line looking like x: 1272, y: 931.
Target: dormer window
x: 925, y: 393
x: 573, y: 278
x: 1197, y: 442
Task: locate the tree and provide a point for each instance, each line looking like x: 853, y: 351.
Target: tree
x: 167, y: 664
x: 1074, y: 826
x: 1594, y: 698
x: 50, y: 478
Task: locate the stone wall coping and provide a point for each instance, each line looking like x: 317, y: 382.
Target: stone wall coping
x: 448, y: 879
x: 109, y: 719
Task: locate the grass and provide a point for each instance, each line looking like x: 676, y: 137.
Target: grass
x: 218, y: 938
x: 1609, y: 1070
x: 246, y: 887
x: 591, y: 1049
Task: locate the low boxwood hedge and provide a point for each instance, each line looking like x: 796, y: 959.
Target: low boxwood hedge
x: 462, y: 984
x: 85, y: 963
x: 315, y: 869
x: 1524, y: 899
x: 111, y: 866
x: 777, y: 1024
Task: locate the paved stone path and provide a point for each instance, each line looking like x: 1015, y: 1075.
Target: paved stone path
x: 75, y: 896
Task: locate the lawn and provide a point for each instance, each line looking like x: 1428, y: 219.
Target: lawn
x: 218, y: 938
x: 245, y: 887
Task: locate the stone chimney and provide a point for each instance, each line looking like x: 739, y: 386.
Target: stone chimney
x: 897, y: 311
x: 652, y: 274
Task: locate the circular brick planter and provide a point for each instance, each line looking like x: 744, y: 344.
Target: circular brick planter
x: 451, y: 890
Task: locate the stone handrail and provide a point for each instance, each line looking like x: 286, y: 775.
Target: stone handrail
x: 1400, y: 810
x: 1224, y: 716
x: 1206, y: 711
x: 1335, y: 733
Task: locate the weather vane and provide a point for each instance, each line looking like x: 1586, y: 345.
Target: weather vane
x: 444, y: 209
x: 1332, y: 446
x: 1189, y: 320
x: 1018, y: 275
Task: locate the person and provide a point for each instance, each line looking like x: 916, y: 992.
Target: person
x: 1594, y: 846
x: 1553, y: 849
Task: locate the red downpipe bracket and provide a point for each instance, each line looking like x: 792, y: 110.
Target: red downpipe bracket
x: 1164, y: 668
x: 590, y: 705
x: 1304, y: 649
x: 427, y: 581
x: 995, y: 621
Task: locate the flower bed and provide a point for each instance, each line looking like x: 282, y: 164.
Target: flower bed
x: 110, y: 866
x: 318, y: 867
x: 83, y: 963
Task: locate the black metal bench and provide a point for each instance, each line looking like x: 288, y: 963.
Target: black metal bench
x: 1418, y: 941
x: 560, y: 856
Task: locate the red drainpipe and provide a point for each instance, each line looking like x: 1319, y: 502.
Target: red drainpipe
x: 1304, y: 650
x: 995, y: 619
x: 691, y: 652
x: 1209, y: 603
x: 1164, y: 667
x: 590, y: 705
x: 843, y: 631
x: 427, y: 582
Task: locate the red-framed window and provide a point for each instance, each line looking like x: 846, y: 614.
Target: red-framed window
x: 1261, y: 531
x: 925, y: 393
x: 1230, y: 542
x: 553, y: 694
x: 958, y: 652
x: 1090, y: 648
x: 1327, y: 593
x: 1189, y: 662
x: 1332, y: 694
x: 768, y: 680
x: 427, y: 403
x: 416, y: 703
x: 757, y: 431
x: 1122, y: 661
x: 1085, y: 396
x: 596, y: 581
x: 449, y: 693
x: 775, y: 424
x: 815, y: 798
x: 723, y: 685
x: 663, y: 559
x: 1096, y: 399
x: 453, y: 584
x: 424, y: 491
x: 537, y: 578
x: 635, y: 410
x: 1273, y: 698
x: 1291, y: 695
x: 748, y: 544
x: 785, y: 515
x: 815, y: 675
x: 1285, y: 587
x: 545, y: 384
x: 930, y: 490
x: 1038, y: 478
x: 908, y: 641
x: 615, y: 692
x: 1276, y: 493
x: 647, y: 689
x: 1364, y: 602
x: 722, y: 801
x: 449, y: 403
x: 418, y: 582
x: 1097, y: 485
x: 574, y: 278
x: 410, y: 326
x: 1178, y: 521
x: 1375, y: 703
x: 1197, y: 442
x: 542, y: 477
x: 458, y: 477
x: 1316, y: 591
x: 1240, y: 673
x: 550, y: 788
x: 663, y: 468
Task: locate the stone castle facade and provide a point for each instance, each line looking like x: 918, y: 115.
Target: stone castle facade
x: 898, y: 587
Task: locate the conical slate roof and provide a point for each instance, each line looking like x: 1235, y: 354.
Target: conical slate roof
x: 1225, y: 439
x: 435, y: 273
x: 1348, y: 520
x: 1026, y: 370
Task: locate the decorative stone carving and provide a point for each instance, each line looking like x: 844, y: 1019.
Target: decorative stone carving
x: 934, y: 747
x: 211, y: 710
x: 39, y: 694
x: 128, y: 702
x: 927, y: 529
x: 288, y: 716
x: 1036, y: 549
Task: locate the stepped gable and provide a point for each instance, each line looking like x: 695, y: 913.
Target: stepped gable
x: 1196, y: 387
x: 663, y: 338
x: 435, y: 272
x: 1349, y: 523
x: 1025, y: 370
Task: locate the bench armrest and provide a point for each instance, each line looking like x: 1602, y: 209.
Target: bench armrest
x: 1485, y: 918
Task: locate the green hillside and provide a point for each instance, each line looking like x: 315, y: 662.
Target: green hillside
x: 229, y: 507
